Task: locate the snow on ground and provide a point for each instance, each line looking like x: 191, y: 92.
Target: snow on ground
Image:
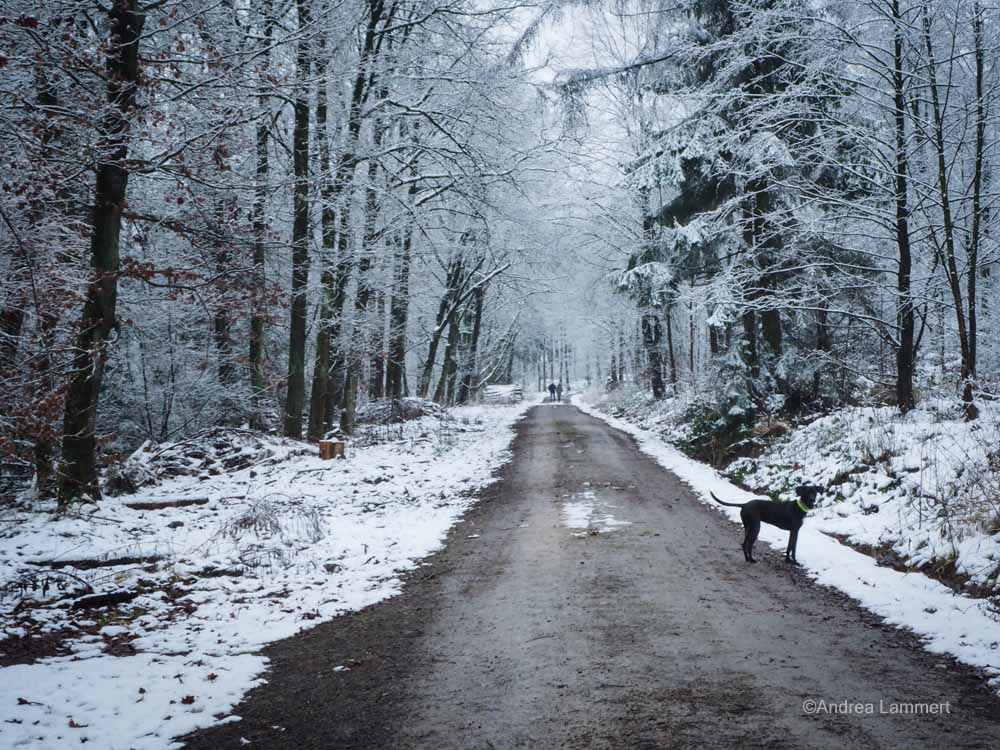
x: 277, y: 547
x: 948, y: 623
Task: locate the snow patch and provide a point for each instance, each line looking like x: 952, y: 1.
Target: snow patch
x: 585, y: 510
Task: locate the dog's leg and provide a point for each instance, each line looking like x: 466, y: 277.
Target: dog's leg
x: 793, y: 539
x: 753, y: 529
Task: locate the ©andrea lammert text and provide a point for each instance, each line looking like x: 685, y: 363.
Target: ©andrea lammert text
x: 880, y: 708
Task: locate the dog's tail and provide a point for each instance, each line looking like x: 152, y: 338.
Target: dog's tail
x: 720, y: 502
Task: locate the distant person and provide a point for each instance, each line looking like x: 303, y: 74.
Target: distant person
x: 552, y: 391
x: 559, y: 392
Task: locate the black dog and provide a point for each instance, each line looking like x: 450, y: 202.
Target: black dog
x: 787, y: 516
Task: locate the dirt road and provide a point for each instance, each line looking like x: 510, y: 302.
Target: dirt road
x: 590, y: 601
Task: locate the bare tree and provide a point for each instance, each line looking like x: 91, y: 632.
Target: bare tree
x: 78, y: 473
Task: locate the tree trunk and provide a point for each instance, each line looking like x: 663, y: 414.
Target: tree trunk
x: 751, y: 356
x: 764, y: 244
x: 977, y: 208
x: 770, y: 326
x: 399, y: 311
x: 399, y: 308
x: 508, y: 375
x: 336, y: 383
x: 670, y: 344
x: 356, y: 356
x: 452, y: 380
x: 904, y: 301
x: 621, y: 356
x: 44, y: 450
x: 41, y: 421
x: 949, y: 261
x: 319, y: 406
x: 377, y: 349
x: 714, y: 347
x: 691, y: 338
x: 824, y: 342
x: 295, y: 397
x: 652, y: 334
x: 444, y: 314
x: 79, y: 461
x: 470, y: 375
x: 258, y: 385
x: 448, y: 364
x: 12, y: 315
x: 221, y: 322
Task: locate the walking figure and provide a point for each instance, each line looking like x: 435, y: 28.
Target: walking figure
x: 552, y: 391
x: 559, y: 392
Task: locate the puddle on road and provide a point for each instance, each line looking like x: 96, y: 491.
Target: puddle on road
x: 589, y: 513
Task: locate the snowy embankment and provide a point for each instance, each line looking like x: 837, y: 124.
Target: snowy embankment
x: 260, y: 553
x: 947, y: 622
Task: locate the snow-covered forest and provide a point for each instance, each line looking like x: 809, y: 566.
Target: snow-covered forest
x: 764, y: 230
x: 267, y: 213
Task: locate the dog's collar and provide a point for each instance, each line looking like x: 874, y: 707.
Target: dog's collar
x: 802, y: 506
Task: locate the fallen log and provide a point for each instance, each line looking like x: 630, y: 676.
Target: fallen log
x: 163, y: 504
x: 91, y: 563
x: 104, y: 600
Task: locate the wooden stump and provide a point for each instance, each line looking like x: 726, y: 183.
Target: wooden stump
x: 332, y: 449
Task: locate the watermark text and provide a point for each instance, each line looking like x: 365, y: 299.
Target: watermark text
x: 821, y: 707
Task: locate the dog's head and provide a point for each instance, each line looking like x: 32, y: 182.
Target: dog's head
x: 807, y: 494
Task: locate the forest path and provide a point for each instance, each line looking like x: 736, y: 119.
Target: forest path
x: 528, y: 631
